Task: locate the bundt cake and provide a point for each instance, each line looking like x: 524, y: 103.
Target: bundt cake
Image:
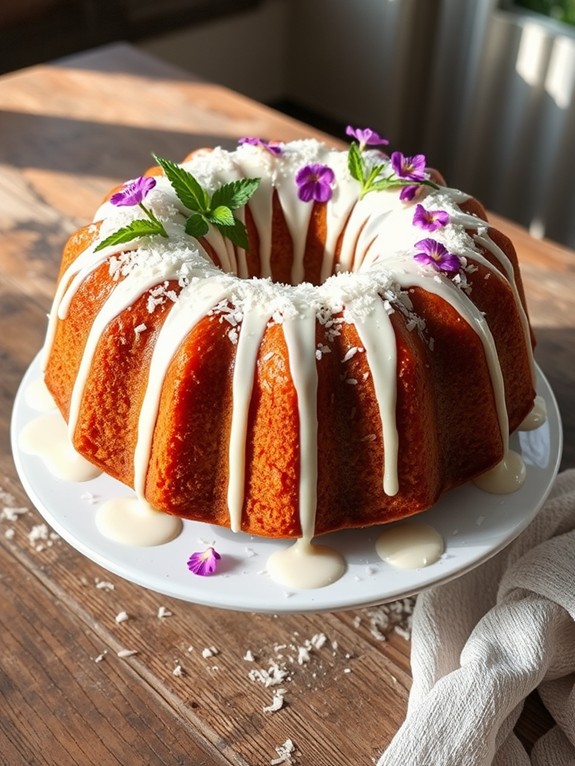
x: 289, y: 339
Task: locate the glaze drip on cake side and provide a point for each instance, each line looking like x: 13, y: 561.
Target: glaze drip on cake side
x: 367, y: 273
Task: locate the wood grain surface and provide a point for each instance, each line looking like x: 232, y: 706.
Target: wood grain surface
x: 188, y: 693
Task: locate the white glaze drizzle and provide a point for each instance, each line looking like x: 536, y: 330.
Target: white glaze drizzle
x: 378, y: 339
x: 536, y: 417
x: 445, y: 289
x: 38, y: 397
x: 251, y: 334
x: 186, y: 313
x: 377, y: 244
x: 410, y: 545
x: 47, y: 438
x: 506, y: 477
x: 304, y: 565
x: 133, y: 521
x: 300, y: 339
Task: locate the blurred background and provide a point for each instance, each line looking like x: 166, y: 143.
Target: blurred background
x: 485, y: 88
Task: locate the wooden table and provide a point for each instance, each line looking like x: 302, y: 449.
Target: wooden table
x: 69, y: 131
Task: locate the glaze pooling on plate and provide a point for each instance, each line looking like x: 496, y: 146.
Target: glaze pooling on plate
x: 473, y: 524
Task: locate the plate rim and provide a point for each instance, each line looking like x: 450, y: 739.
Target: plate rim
x: 285, y: 602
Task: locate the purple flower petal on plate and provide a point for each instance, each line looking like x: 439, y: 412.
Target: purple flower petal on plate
x: 204, y: 562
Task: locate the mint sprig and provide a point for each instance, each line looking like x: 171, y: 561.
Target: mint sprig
x: 139, y: 228
x: 358, y: 170
x: 371, y: 180
x: 215, y: 210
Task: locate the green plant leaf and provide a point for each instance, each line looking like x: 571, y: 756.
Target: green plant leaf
x: 237, y: 234
x: 234, y: 194
x: 221, y: 216
x: 189, y: 191
x: 355, y: 163
x: 197, y: 226
x: 135, y: 229
x: 373, y: 174
x: 216, y: 210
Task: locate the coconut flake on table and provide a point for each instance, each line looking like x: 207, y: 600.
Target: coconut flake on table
x: 395, y: 616
x: 277, y: 702
x: 40, y: 536
x: 274, y: 675
x: 9, y: 513
x: 285, y: 753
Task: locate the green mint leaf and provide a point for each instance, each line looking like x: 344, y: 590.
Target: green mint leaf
x: 189, y: 191
x: 237, y: 233
x: 355, y: 163
x: 221, y: 216
x: 235, y: 194
x: 197, y: 226
x: 373, y: 174
x: 139, y: 228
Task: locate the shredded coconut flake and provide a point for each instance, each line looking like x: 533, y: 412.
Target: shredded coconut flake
x: 395, y: 616
x: 9, y: 513
x: 273, y: 676
x: 277, y: 702
x: 284, y: 752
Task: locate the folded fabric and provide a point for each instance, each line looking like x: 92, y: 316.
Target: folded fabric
x: 482, y: 643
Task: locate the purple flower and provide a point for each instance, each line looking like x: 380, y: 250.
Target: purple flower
x: 407, y: 193
x: 412, y: 168
x: 271, y: 146
x: 133, y: 192
x: 366, y: 137
x: 314, y: 183
x: 435, y: 254
x: 430, y: 219
x: 204, y: 562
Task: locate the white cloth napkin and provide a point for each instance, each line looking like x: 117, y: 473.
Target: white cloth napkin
x: 483, y: 642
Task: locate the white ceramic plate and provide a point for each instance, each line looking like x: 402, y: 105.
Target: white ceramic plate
x: 475, y: 525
